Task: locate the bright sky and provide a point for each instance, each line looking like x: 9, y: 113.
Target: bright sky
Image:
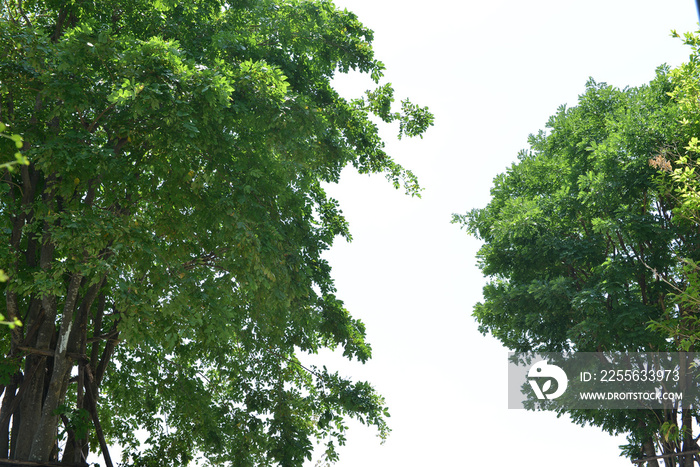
x: 492, y: 72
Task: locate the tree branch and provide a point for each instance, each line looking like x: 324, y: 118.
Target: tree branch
x: 92, y: 408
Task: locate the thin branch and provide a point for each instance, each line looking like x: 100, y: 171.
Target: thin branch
x: 24, y: 15
x: 16, y: 463
x: 51, y: 353
x: 106, y: 355
x: 104, y: 337
x: 91, y: 127
x: 663, y: 279
x: 197, y: 372
x: 92, y: 406
x: 665, y: 456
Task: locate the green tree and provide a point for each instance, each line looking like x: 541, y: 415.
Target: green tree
x: 164, y: 245
x: 581, y: 246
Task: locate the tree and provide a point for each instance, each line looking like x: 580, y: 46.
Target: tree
x: 582, y: 246
x: 164, y: 245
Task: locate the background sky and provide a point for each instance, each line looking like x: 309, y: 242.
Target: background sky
x: 492, y: 72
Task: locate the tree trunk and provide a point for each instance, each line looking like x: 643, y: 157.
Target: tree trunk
x: 45, y: 436
x: 648, y: 449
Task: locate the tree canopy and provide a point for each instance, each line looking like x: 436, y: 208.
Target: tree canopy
x: 163, y: 246
x: 586, y: 248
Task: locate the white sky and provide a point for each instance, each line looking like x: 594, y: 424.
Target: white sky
x: 492, y: 72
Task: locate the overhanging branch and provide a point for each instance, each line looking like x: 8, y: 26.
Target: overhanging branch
x: 665, y: 456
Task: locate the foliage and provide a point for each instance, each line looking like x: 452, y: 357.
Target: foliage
x: 10, y: 166
x: 677, y: 179
x: 166, y: 238
x: 582, y: 246
x: 19, y: 158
